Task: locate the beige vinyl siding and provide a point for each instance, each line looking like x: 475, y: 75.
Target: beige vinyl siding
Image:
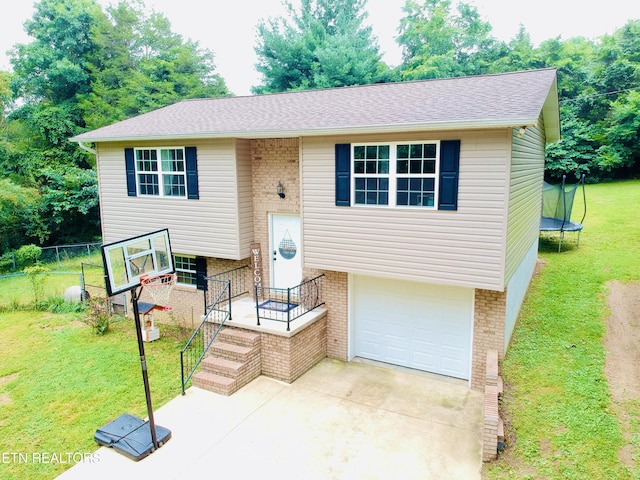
x: 525, y: 195
x: 207, y: 227
x: 463, y: 247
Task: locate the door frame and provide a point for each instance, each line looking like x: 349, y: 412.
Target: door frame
x: 273, y: 246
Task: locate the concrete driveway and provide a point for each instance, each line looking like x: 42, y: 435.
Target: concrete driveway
x: 338, y: 421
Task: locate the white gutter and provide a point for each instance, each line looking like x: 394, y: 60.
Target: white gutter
x: 396, y: 128
x: 87, y: 149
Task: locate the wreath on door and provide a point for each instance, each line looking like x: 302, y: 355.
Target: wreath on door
x: 287, y: 247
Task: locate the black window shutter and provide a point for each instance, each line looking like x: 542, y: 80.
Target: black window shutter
x: 130, y: 167
x: 201, y: 273
x: 192, y: 173
x: 343, y: 174
x: 449, y: 169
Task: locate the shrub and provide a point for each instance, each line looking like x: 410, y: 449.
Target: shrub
x: 7, y: 262
x: 37, y: 275
x: 28, y: 254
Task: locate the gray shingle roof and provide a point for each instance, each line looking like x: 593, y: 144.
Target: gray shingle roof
x: 502, y: 100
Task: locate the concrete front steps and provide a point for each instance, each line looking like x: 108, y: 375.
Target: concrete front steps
x: 232, y: 362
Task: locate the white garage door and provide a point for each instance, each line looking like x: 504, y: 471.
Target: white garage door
x: 416, y: 325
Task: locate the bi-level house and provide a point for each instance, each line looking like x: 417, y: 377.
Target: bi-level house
x: 418, y: 202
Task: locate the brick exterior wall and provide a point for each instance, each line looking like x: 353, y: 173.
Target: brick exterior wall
x: 286, y: 358
x: 273, y: 160
x: 488, y: 331
x: 490, y: 429
x: 336, y: 290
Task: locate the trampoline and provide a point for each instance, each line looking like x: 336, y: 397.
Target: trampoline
x: 557, y: 206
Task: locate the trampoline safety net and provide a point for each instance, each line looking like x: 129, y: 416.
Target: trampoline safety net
x: 557, y: 206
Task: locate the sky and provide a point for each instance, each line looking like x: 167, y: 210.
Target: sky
x: 229, y: 29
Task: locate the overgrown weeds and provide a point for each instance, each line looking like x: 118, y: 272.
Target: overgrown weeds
x: 97, y: 315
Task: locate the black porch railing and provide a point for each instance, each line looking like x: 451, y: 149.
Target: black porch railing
x: 237, y: 277
x: 217, y: 313
x: 287, y: 304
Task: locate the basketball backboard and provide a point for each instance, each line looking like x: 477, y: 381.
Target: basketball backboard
x: 127, y: 260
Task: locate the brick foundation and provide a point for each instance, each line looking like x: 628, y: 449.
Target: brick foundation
x: 488, y: 331
x: 493, y: 431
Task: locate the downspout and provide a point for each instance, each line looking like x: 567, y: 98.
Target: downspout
x: 87, y: 149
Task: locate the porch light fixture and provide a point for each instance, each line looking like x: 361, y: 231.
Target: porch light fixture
x: 280, y: 190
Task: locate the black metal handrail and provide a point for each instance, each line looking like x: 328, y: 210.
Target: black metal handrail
x: 202, y: 338
x: 287, y: 304
x: 237, y: 277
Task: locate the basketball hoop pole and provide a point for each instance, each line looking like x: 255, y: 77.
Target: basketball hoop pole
x: 135, y: 295
x: 130, y: 265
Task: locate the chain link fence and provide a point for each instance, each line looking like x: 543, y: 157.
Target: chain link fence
x: 61, y: 253
x: 55, y: 255
x: 66, y: 266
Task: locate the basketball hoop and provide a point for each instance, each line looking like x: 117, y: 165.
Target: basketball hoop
x: 159, y: 287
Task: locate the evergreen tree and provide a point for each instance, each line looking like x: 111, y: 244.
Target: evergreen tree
x: 323, y: 44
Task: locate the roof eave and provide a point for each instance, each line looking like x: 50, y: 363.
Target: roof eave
x: 317, y: 132
x: 551, y: 114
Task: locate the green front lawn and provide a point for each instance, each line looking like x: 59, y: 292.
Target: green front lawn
x: 59, y: 382
x: 557, y: 405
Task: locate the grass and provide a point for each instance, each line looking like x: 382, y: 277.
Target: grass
x: 17, y: 291
x: 59, y: 382
x: 557, y: 403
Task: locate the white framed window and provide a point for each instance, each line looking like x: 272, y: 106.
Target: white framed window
x: 161, y: 171
x: 371, y: 174
x: 396, y: 174
x: 186, y: 271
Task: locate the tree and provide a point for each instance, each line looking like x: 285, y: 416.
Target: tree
x: 68, y: 209
x: 142, y: 66
x: 6, y: 103
x: 436, y: 43
x: 518, y: 54
x: 15, y: 205
x: 54, y: 66
x: 323, y: 44
x: 83, y: 69
x: 571, y: 58
x: 598, y: 85
x: 621, y: 152
x: 49, y: 74
x: 576, y: 153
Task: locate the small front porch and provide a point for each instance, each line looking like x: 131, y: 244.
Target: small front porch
x: 243, y: 315
x: 281, y: 335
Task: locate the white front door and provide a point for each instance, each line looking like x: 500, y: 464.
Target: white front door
x: 286, y: 250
